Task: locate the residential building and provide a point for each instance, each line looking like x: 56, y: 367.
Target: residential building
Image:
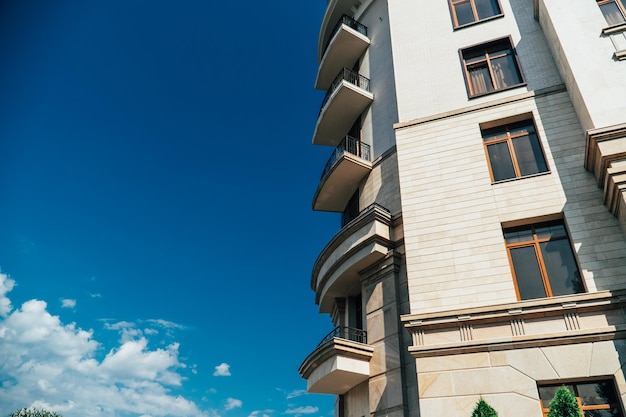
x: 479, y: 167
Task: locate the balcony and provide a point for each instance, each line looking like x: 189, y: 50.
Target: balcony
x: 346, y: 167
x: 347, y: 97
x: 339, y: 363
x: 348, y: 42
x: 334, y: 11
x: 361, y: 243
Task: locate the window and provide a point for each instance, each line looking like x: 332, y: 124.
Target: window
x: 595, y: 399
x: 513, y: 151
x: 614, y: 11
x: 465, y: 12
x: 491, y: 67
x: 351, y: 211
x: 542, y: 261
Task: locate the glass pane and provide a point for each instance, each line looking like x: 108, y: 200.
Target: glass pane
x: 521, y: 128
x: 527, y: 273
x: 613, y: 412
x: 561, y: 268
x: 597, y: 393
x: 501, y: 163
x: 612, y: 13
x: 494, y: 133
x: 551, y: 231
x: 505, y: 71
x: 480, y: 80
x: 547, y: 394
x: 529, y: 156
x: 518, y: 235
x: 487, y: 8
x: 464, y: 13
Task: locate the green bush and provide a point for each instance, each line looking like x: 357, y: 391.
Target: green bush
x: 564, y: 404
x: 483, y: 409
x: 33, y: 412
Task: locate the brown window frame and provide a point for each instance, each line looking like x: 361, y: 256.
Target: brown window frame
x: 455, y: 20
x: 509, y: 138
x: 489, y: 50
x: 536, y: 244
x: 621, y: 6
x: 581, y: 406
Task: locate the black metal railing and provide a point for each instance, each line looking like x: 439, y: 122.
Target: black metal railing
x: 348, y: 333
x: 350, y: 76
x: 350, y: 145
x: 351, y: 23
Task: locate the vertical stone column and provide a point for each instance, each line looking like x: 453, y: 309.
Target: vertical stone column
x: 392, y: 370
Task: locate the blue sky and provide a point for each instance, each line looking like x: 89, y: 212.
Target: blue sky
x: 156, y: 235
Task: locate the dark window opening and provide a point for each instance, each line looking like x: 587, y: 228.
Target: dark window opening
x: 351, y: 211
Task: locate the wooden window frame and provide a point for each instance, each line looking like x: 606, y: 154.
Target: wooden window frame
x: 455, y: 20
x: 620, y: 5
x: 535, y: 243
x: 509, y: 139
x: 582, y: 407
x: 470, y: 50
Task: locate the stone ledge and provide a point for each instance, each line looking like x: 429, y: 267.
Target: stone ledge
x: 547, y: 321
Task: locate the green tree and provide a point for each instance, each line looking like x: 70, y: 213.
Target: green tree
x: 483, y: 409
x: 33, y: 412
x: 564, y: 404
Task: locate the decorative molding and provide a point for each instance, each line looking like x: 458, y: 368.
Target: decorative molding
x: 531, y: 95
x: 523, y: 324
x: 601, y: 149
x: 466, y: 332
x: 369, y: 215
x: 517, y: 327
x: 606, y: 147
x: 571, y: 321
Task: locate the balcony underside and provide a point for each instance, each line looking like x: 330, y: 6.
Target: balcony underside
x: 360, y: 244
x: 345, y: 48
x: 337, y: 366
x: 334, y: 11
x: 336, y: 188
x: 343, y: 107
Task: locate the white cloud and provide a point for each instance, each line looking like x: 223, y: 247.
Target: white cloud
x: 6, y: 285
x: 95, y: 295
x: 260, y: 413
x: 296, y: 393
x: 166, y: 324
x: 55, y: 365
x: 302, y: 410
x: 232, y: 403
x: 222, y: 369
x: 68, y: 303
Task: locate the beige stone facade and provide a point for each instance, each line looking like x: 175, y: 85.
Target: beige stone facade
x: 477, y: 138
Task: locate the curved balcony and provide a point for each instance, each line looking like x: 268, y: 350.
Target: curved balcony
x: 345, y: 100
x: 346, y: 167
x: 348, y: 42
x: 359, y: 244
x: 339, y: 363
x: 334, y: 11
